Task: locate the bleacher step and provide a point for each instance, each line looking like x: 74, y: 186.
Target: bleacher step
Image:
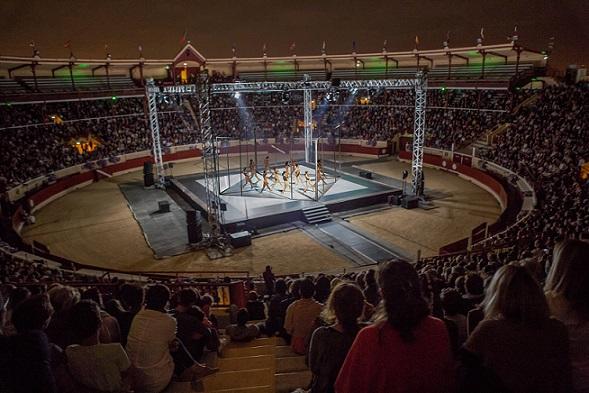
x: 290, y: 364
x: 287, y: 382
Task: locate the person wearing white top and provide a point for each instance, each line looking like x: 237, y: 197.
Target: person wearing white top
x: 97, y: 366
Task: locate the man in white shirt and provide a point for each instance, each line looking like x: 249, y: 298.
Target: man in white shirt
x: 152, y: 333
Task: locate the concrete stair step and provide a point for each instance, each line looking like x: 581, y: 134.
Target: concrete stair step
x: 284, y: 351
x: 290, y: 364
x: 233, y: 380
x: 253, y: 389
x: 247, y: 363
x: 248, y: 351
x: 254, y: 343
x: 287, y: 382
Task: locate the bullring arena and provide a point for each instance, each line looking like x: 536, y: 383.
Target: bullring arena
x: 359, y: 221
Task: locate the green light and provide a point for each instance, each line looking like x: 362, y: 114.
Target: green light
x: 114, y: 98
x: 83, y: 65
x: 443, y: 89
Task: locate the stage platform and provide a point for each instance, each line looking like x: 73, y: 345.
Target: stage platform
x: 248, y: 207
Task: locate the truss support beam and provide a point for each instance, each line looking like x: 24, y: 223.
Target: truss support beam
x: 260, y: 87
x: 308, y: 112
x: 152, y: 92
x: 210, y: 160
x: 419, y: 133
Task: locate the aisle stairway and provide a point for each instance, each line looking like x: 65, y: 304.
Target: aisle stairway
x: 264, y: 365
x: 316, y: 214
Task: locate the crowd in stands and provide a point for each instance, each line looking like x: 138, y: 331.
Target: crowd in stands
x: 40, y: 138
x: 494, y: 324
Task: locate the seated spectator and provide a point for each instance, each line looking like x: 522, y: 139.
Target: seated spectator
x: 371, y: 288
x: 406, y: 350
x: 567, y: 293
x: 98, y: 366
x: 255, y: 307
x: 518, y: 347
x: 206, y: 302
x: 132, y: 297
x: 25, y: 360
x: 322, y: 288
x: 109, y: 328
x: 475, y: 292
x: 275, y: 320
x: 16, y: 296
x: 452, y: 304
x: 242, y: 331
x: 151, y: 338
x: 63, y: 298
x: 301, y: 316
x: 330, y: 344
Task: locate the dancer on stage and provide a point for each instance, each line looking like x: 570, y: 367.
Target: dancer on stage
x: 276, y: 178
x: 247, y: 179
x: 266, y: 181
x: 297, y: 173
x: 254, y: 170
x: 320, y: 169
x: 320, y: 177
x: 267, y: 164
x: 286, y: 179
x: 308, y: 182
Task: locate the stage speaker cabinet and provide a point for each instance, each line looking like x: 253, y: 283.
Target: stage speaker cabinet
x: 192, y: 217
x: 395, y: 200
x: 410, y: 202
x: 366, y: 174
x: 148, y: 180
x: 147, y: 167
x: 194, y: 232
x: 163, y: 206
x: 240, y: 239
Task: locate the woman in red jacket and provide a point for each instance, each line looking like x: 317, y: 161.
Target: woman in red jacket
x: 406, y: 350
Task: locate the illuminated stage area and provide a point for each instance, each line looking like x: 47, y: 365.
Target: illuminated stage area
x: 250, y: 206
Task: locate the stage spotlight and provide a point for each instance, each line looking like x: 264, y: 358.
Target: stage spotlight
x: 354, y: 91
x: 237, y: 94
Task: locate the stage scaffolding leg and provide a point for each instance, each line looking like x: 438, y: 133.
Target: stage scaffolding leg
x: 419, y: 133
x: 152, y: 91
x: 211, y: 171
x: 308, y: 125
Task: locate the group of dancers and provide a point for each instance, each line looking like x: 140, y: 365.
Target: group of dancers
x: 273, y: 178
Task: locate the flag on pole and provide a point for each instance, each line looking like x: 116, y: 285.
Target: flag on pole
x: 384, y: 45
x: 293, y: 46
x: 183, y: 37
x: 32, y: 44
x: 67, y: 44
x: 416, y: 41
x: 482, y: 33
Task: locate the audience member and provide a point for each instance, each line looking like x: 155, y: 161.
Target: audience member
x: 518, y: 347
x: 330, y: 344
x: 406, y: 350
x: 242, y: 331
x: 301, y: 316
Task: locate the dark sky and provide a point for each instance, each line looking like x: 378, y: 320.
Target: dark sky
x: 214, y: 25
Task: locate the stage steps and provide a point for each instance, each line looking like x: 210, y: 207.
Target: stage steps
x: 316, y: 214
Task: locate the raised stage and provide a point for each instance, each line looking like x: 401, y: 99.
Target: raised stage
x: 251, y: 208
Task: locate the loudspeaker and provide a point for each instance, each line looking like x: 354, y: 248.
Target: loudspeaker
x: 410, y: 202
x: 148, y: 179
x: 194, y: 233
x: 240, y: 239
x: 366, y: 174
x: 163, y: 206
x: 192, y: 217
x: 147, y: 167
x: 395, y: 200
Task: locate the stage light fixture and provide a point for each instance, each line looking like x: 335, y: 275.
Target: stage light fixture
x: 285, y: 97
x: 237, y: 94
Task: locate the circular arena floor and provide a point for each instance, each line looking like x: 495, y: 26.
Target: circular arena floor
x: 95, y: 226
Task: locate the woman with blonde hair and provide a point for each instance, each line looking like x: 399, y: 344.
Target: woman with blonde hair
x: 517, y: 347
x: 62, y: 298
x: 567, y: 293
x: 330, y: 344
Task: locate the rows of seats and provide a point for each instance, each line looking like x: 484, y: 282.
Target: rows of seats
x: 64, y: 83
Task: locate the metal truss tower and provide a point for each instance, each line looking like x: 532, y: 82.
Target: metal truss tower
x: 210, y: 164
x: 309, y: 156
x: 152, y: 92
x: 419, y: 133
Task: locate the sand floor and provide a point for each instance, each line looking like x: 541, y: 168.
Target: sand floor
x: 94, y: 225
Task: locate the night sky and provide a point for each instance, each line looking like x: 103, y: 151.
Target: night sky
x: 213, y: 26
